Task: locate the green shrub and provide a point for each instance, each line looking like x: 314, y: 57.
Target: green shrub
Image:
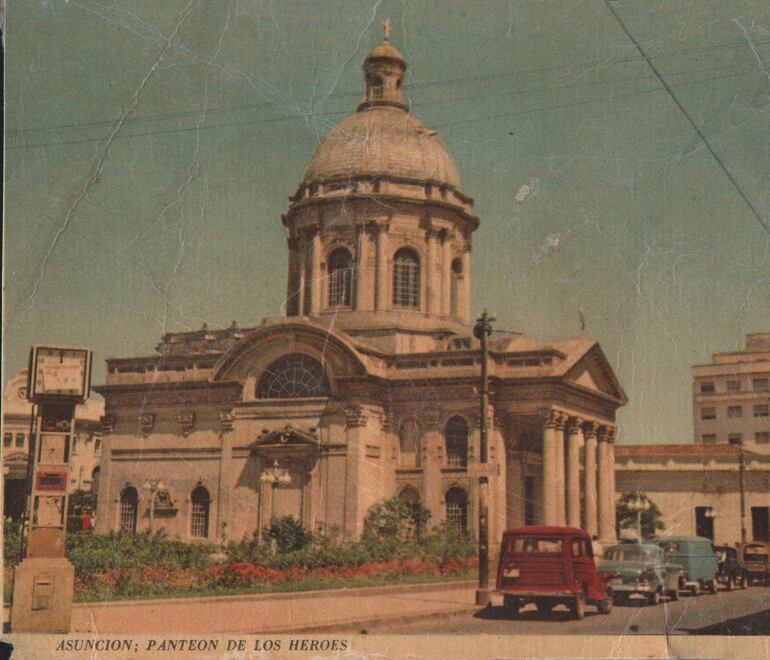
x: 288, y: 534
x: 11, y: 541
x: 395, y: 518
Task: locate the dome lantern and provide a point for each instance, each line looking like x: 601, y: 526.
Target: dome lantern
x: 384, y: 70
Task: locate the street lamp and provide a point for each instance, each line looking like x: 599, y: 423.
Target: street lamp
x: 276, y: 477
x: 481, y: 331
x: 153, y: 486
x: 639, y: 504
x: 742, y: 486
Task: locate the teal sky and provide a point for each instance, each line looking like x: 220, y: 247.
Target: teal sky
x: 151, y: 147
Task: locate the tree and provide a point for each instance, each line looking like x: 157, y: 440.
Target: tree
x: 626, y: 516
x: 396, y: 518
x: 288, y: 534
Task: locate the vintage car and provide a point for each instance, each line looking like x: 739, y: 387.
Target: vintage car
x: 695, y: 555
x: 640, y: 568
x: 550, y: 566
x: 732, y: 572
x: 755, y: 560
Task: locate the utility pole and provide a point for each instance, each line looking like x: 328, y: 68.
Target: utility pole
x: 742, y: 485
x: 481, y: 331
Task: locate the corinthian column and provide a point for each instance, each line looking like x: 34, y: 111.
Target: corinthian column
x: 433, y: 292
x: 606, y: 496
x: 316, y: 288
x: 446, y: 274
x: 574, y: 439
x: 589, y: 432
x: 381, y: 298
x: 552, y: 438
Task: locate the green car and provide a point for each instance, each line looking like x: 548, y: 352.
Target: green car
x: 695, y: 554
x: 640, y: 568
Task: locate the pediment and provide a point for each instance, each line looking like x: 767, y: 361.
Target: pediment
x: 288, y: 437
x: 593, y: 372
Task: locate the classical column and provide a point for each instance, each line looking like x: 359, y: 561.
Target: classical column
x: 561, y: 513
x: 381, y: 299
x: 446, y: 274
x: 303, y: 304
x: 611, y: 472
x: 316, y: 288
x: 464, y: 304
x: 574, y: 438
x: 552, y: 432
x: 433, y: 291
x: 293, y: 288
x: 606, y: 496
x: 589, y: 432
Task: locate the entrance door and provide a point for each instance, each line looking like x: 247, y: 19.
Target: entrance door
x: 760, y: 523
x: 704, y: 522
x: 13, y: 506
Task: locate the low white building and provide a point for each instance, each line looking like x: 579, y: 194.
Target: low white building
x: 697, y: 487
x: 17, y: 416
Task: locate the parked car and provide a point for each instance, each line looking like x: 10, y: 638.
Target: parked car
x: 695, y: 555
x: 550, y: 566
x: 755, y: 560
x: 732, y: 572
x: 640, y: 568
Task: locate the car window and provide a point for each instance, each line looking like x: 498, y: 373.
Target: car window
x: 578, y: 548
x: 535, y: 545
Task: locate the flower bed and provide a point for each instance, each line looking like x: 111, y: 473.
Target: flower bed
x: 244, y: 577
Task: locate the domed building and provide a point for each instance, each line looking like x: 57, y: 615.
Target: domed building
x: 368, y: 387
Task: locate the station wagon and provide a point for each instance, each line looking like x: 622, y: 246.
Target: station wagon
x: 640, y: 569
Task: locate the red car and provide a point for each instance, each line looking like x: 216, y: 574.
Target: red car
x: 551, y: 566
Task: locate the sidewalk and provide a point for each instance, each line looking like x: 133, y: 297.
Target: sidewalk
x: 285, y: 612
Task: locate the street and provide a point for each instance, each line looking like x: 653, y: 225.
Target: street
x: 744, y: 612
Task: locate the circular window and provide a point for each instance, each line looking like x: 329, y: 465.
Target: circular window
x: 293, y: 377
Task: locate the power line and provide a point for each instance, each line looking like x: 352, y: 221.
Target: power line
x: 700, y: 134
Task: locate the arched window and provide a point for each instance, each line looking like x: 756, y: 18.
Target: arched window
x: 129, y: 499
x: 293, y: 377
x: 340, y: 278
x: 456, y: 500
x: 95, y: 480
x: 409, y: 444
x: 199, y: 513
x: 454, y: 288
x: 456, y: 434
x: 410, y: 496
x: 406, y: 278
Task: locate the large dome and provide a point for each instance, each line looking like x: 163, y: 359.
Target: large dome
x: 382, y: 141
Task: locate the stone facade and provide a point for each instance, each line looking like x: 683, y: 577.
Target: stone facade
x: 368, y: 387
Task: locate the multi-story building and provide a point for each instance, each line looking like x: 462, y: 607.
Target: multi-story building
x: 367, y: 388
x: 17, y: 417
x: 731, y: 397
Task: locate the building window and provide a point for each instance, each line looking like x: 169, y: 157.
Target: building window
x: 734, y: 412
x: 708, y: 413
x: 709, y: 438
x: 7, y: 439
x: 293, y: 377
x: 406, y: 278
x: 704, y: 522
x: 199, y: 513
x: 340, y: 278
x: 129, y: 499
x: 456, y: 434
x: 762, y: 410
x: 95, y: 480
x: 761, y: 385
x: 97, y: 446
x: 735, y: 438
x: 457, y: 509
x: 19, y: 439
x: 762, y: 437
x: 410, y: 445
x: 733, y: 386
x: 707, y: 387
x: 760, y: 523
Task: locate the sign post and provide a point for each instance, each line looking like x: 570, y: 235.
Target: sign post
x: 59, y: 379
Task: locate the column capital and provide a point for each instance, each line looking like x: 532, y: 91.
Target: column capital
x: 573, y: 425
x: 590, y: 429
x: 554, y: 419
x: 607, y: 433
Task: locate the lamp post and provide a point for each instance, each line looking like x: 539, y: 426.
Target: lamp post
x: 742, y: 486
x: 153, y: 486
x: 639, y: 504
x: 481, y: 331
x: 276, y: 477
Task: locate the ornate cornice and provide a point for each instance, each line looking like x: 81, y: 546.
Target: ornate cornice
x: 554, y: 419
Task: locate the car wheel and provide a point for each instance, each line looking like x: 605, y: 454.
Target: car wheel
x: 605, y: 606
x: 674, y: 594
x: 511, y: 605
x: 619, y: 599
x: 711, y: 585
x: 730, y: 583
x: 578, y: 606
